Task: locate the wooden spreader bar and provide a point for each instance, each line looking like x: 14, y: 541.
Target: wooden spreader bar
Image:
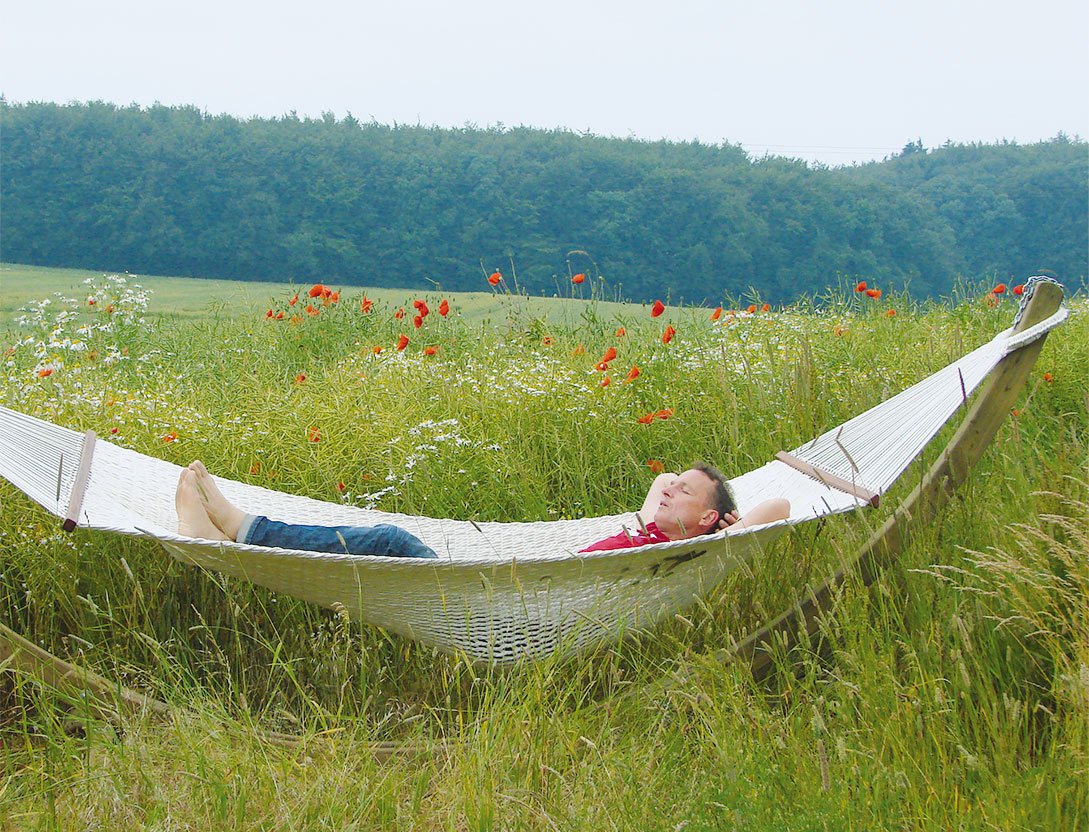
x: 830, y: 479
x: 79, y: 487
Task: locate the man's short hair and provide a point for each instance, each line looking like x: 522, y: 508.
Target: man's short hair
x: 723, y: 500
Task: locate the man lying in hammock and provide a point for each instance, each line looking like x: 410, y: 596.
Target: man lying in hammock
x: 685, y: 505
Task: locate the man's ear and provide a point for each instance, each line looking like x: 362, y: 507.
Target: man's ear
x: 709, y: 519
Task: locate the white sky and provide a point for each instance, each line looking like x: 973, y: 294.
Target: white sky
x: 834, y: 81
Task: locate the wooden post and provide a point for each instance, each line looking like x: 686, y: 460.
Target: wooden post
x: 997, y: 396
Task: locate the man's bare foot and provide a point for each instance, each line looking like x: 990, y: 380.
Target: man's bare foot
x: 227, y: 517
x: 193, y: 520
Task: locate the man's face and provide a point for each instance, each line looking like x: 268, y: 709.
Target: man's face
x: 686, y: 508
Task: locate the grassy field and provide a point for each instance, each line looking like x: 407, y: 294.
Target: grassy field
x: 954, y: 694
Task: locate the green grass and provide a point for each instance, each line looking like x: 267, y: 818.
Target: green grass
x: 954, y: 694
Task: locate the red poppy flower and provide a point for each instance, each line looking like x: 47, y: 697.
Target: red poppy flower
x: 421, y: 307
x: 417, y: 321
x: 170, y: 436
x: 45, y: 372
x: 115, y: 430
x: 606, y: 381
x: 610, y: 354
x: 579, y: 278
x: 366, y: 305
x: 752, y: 309
x: 655, y: 466
x: 667, y: 336
x: 889, y: 313
x: 547, y: 340
x: 294, y: 300
x: 91, y: 301
x: 665, y: 413
x: 377, y: 348
x: 717, y: 313
x: 1019, y: 289
x: 402, y: 342
x: 633, y: 374
x: 300, y: 378
x: 621, y: 332
x: 268, y: 314
x: 317, y: 291
x: 766, y: 307
x: 657, y: 309
x: 495, y: 277
x: 645, y: 419
x: 280, y: 315
x: 400, y: 313
x: 873, y: 293
x: 1015, y: 412
x: 341, y: 487
x: 311, y: 310
x: 313, y: 434
x: 430, y: 350
x: 999, y: 289
x: 334, y: 297
x: 601, y: 366
x: 1049, y: 378
x: 861, y: 287
x: 444, y: 308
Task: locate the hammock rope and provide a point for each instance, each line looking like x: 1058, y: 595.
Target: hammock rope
x: 499, y: 591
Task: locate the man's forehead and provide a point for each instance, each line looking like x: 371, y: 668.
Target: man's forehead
x: 696, y: 477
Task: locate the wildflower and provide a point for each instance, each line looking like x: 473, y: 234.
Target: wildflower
x: 547, y: 340
x: 311, y: 310
x: 717, y: 313
x: 430, y: 350
x: 579, y: 278
x: 839, y: 331
x: 421, y: 308
x: 889, y: 313
x: 91, y: 301
x: 999, y: 289
x: 331, y: 297
x: 667, y: 336
x: 417, y: 321
x: 991, y: 299
x: 444, y: 308
x: 296, y: 320
x: 170, y: 436
x: 873, y: 293
x: 655, y: 466
x: 45, y: 372
x: 280, y: 315
x: 341, y: 487
x: 268, y: 314
x: 861, y: 286
x: 579, y: 350
x: 400, y: 313
x: 300, y: 378
x: 313, y: 434
x: 366, y: 305
x: 317, y: 291
x: 495, y: 277
x: 665, y: 413
x: 1019, y: 289
x: 114, y: 431
x: 621, y: 332
x: 1049, y: 378
x: 255, y: 468
x: 294, y: 300
x: 657, y: 309
x: 765, y: 308
x: 402, y: 342
x: 633, y: 374
x: 376, y: 349
x: 606, y: 381
x: 1015, y: 412
x: 610, y: 354
x: 645, y: 419
x: 601, y: 366
x: 109, y: 308
x: 752, y: 309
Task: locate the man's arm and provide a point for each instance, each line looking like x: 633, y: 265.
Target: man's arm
x: 654, y: 496
x: 766, y: 512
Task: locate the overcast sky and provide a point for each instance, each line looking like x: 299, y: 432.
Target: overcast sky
x: 835, y: 81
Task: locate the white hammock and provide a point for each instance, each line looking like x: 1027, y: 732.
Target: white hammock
x: 498, y: 591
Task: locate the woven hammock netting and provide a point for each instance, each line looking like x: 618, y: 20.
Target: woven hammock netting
x: 499, y: 591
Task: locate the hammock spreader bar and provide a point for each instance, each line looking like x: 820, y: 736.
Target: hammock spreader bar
x: 79, y: 488
x: 831, y: 480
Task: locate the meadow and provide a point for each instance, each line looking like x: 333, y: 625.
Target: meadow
x: 952, y: 694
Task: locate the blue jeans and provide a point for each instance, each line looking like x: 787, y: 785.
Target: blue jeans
x: 384, y: 540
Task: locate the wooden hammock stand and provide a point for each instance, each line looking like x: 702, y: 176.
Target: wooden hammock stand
x: 110, y: 701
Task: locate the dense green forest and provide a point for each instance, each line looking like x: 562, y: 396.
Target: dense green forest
x: 172, y: 190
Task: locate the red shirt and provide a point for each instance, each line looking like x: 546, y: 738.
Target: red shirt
x: 626, y: 541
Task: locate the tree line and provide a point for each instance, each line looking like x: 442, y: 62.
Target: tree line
x: 173, y: 190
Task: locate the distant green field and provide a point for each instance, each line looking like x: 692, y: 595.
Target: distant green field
x: 188, y: 297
